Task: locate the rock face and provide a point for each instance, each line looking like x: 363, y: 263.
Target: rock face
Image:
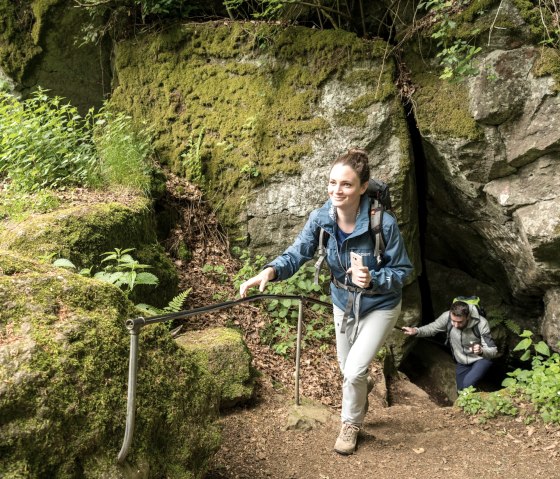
x: 492, y: 175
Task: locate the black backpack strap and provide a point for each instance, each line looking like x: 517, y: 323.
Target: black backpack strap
x: 476, y: 331
x: 322, y: 253
x: 376, y: 228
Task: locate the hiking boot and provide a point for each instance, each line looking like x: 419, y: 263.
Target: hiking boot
x: 346, y: 440
x: 369, y: 388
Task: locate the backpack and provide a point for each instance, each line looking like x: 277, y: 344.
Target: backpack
x: 471, y: 300
x: 378, y: 191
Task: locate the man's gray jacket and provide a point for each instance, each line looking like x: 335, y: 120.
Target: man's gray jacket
x: 460, y: 339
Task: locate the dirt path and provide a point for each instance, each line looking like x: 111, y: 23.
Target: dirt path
x: 413, y: 438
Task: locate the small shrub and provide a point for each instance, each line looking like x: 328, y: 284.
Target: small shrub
x: 44, y: 143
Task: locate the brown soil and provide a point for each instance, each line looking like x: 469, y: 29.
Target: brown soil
x: 412, y: 437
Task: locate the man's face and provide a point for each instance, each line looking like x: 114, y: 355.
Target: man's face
x: 459, y: 322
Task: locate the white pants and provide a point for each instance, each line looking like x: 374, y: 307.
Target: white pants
x: 354, y: 359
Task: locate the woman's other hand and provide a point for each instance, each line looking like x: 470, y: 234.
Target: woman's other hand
x: 362, y: 279
x: 259, y: 280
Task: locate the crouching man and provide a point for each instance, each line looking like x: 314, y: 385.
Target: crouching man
x: 468, y: 335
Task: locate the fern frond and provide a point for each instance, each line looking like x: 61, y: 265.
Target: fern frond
x: 513, y: 326
x: 176, y: 304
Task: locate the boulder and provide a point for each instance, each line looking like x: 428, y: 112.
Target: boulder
x: 223, y: 354
x: 63, y: 383
x: 81, y: 233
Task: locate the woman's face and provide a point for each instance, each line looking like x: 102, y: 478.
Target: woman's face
x: 345, y: 188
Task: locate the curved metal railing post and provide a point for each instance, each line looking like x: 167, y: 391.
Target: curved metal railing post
x: 134, y: 329
x: 135, y: 325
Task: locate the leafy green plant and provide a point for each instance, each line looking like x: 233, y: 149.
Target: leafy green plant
x: 539, y: 385
x: 281, y: 332
x: 124, y: 271
x: 124, y: 152
x: 174, y: 306
x: 121, y: 269
x: 531, y: 393
x: 218, y: 272
x: 44, y: 143
x: 455, y: 54
x: 529, y: 347
x: 490, y: 405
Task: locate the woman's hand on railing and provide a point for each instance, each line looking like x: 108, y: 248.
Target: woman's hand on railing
x: 259, y: 280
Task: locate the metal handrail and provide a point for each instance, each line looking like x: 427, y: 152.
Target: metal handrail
x: 135, y: 325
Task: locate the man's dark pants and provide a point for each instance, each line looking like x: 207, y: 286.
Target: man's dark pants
x: 470, y: 374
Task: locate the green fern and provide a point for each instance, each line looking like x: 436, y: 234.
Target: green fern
x: 512, y: 326
x: 177, y: 303
x: 174, y: 306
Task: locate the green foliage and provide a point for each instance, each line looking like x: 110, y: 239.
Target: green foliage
x: 455, y: 54
x: 174, y: 306
x: 218, y: 272
x: 124, y: 271
x: 488, y: 405
x: 121, y: 269
x: 124, y: 152
x: 540, y: 386
x: 530, y: 348
x: 328, y: 13
x: 543, y: 20
x: 44, y: 143
x: 281, y: 332
x: 531, y: 392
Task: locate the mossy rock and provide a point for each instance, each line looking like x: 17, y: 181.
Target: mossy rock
x: 63, y: 383
x: 248, y: 91
x: 82, y: 233
x: 223, y: 353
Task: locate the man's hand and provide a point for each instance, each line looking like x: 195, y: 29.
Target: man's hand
x: 477, y: 349
x: 409, y: 331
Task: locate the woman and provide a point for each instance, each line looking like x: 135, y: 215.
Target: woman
x: 367, y: 304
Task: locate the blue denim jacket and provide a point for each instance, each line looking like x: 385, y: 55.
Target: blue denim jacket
x: 387, y: 280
